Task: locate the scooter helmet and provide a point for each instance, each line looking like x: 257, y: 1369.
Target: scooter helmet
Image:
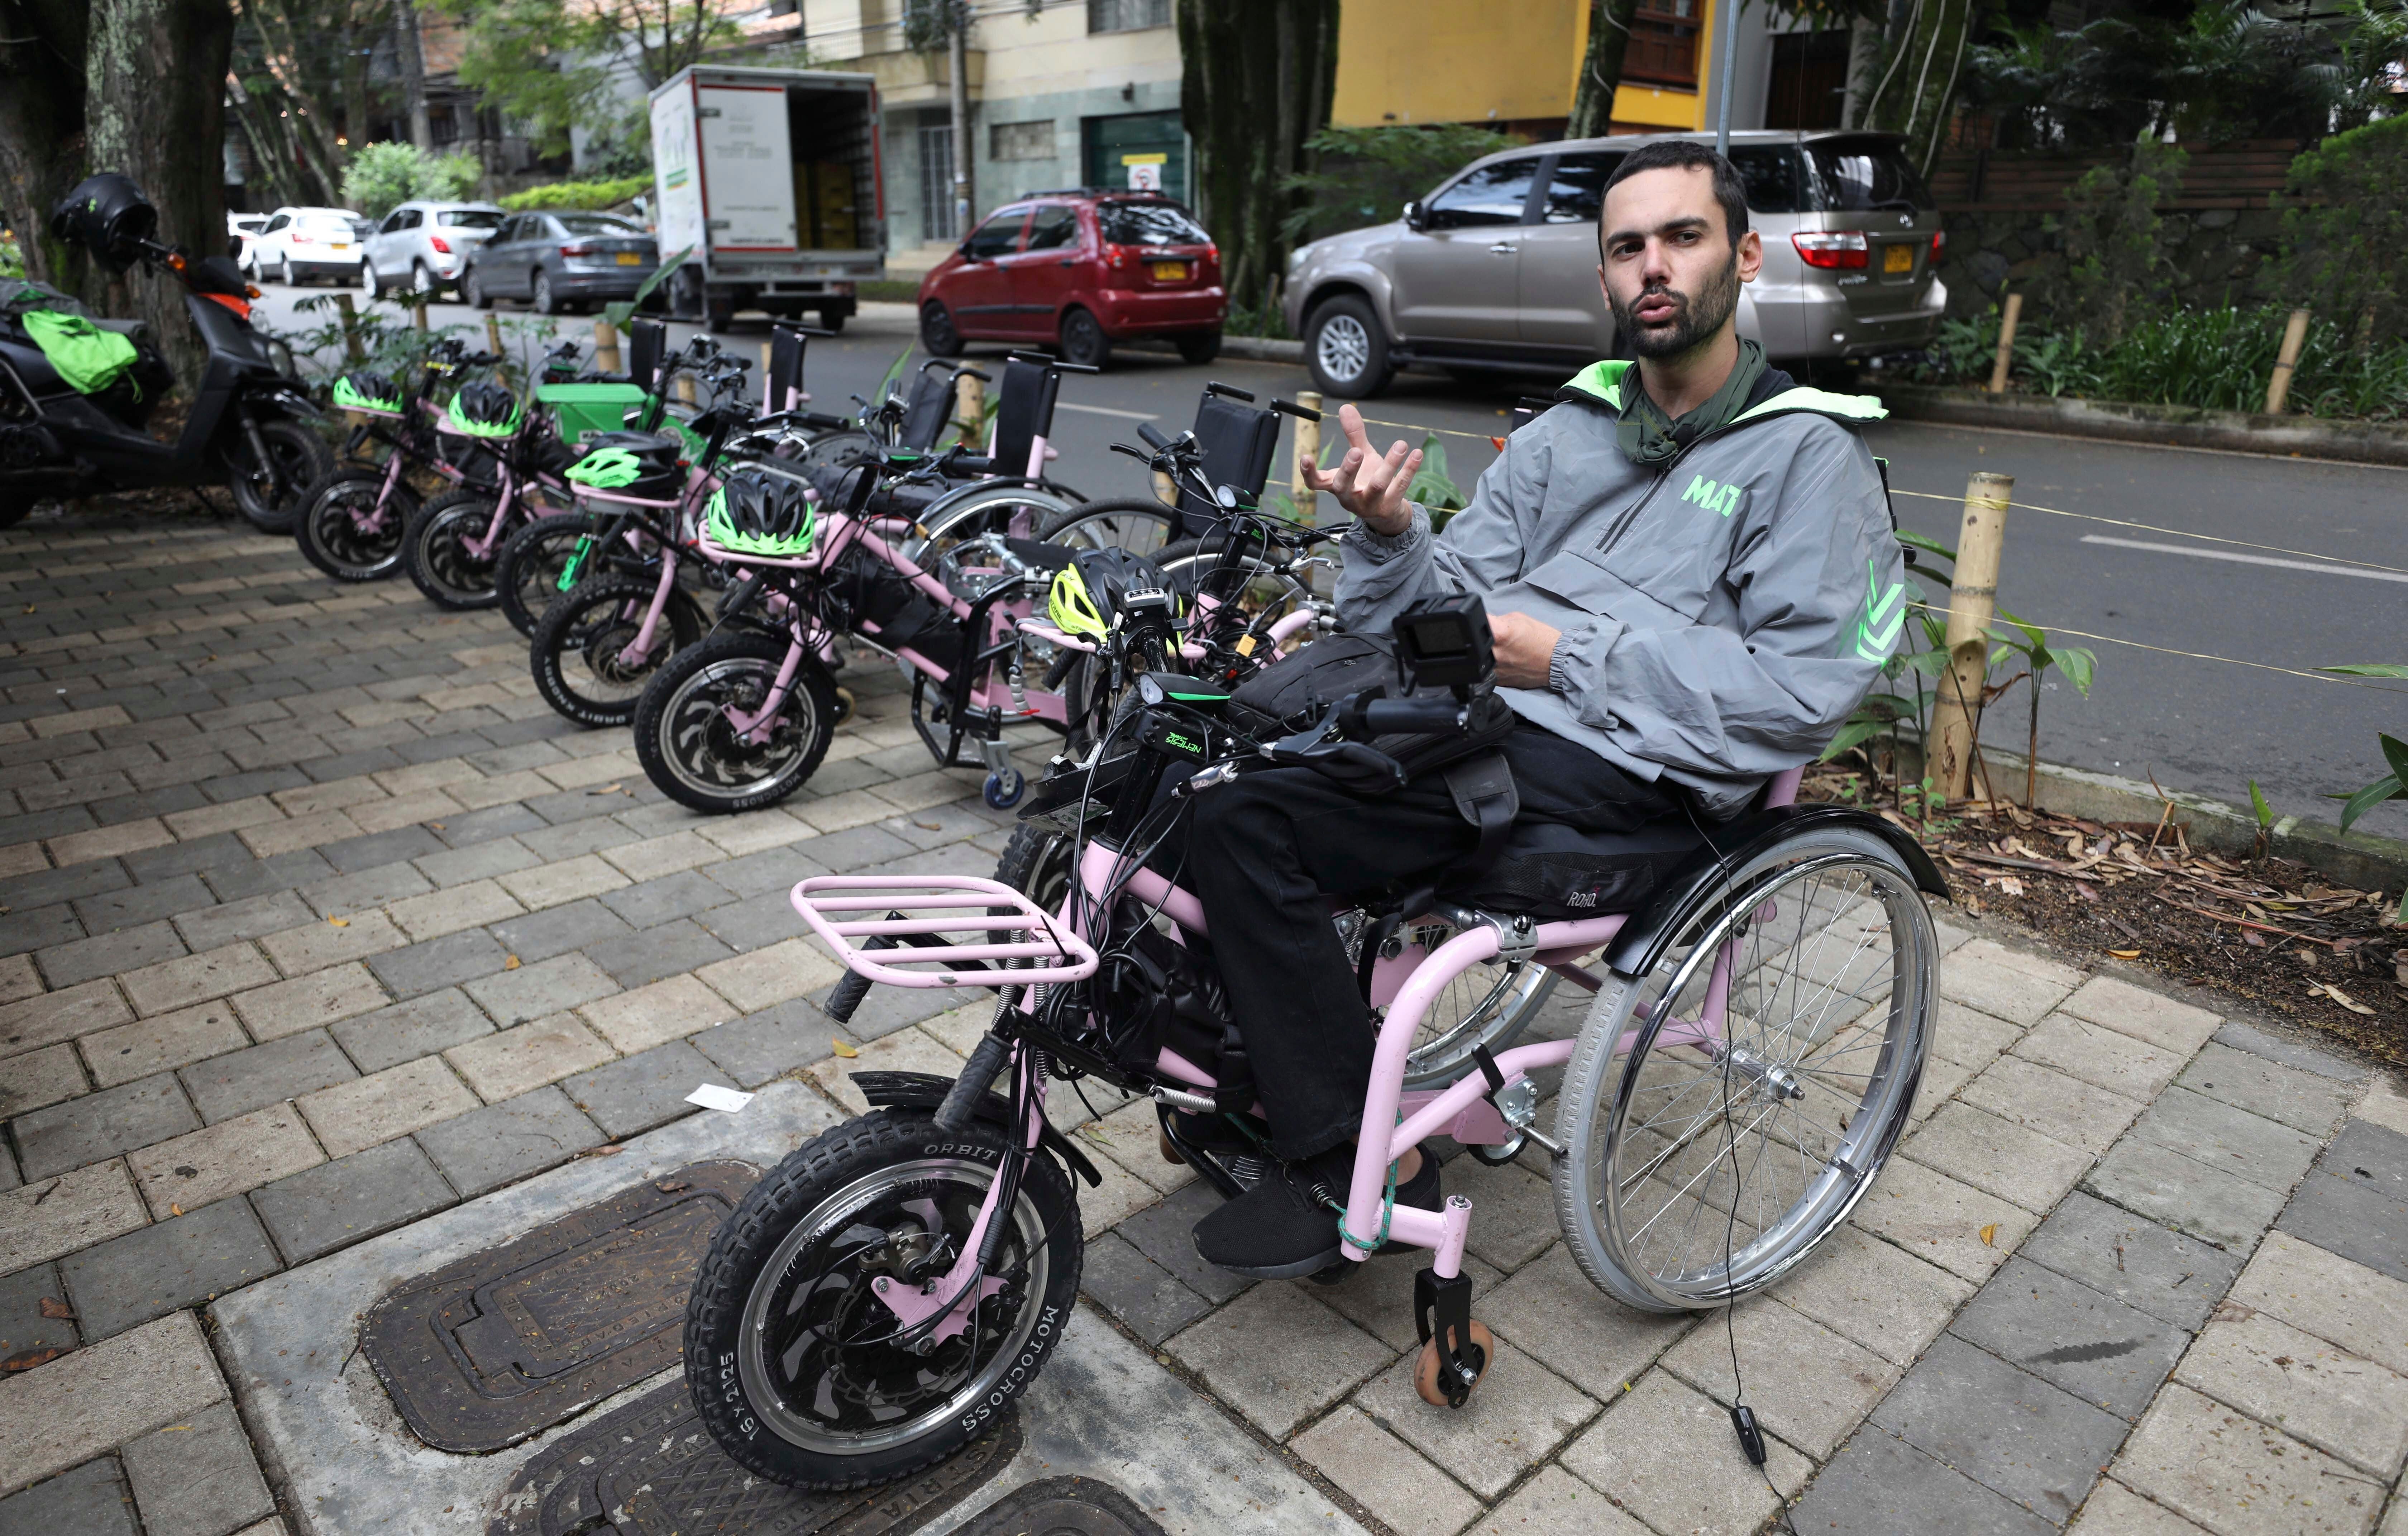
x: 483, y: 410
x: 110, y: 217
x: 755, y: 513
x: 367, y: 390
x: 606, y: 469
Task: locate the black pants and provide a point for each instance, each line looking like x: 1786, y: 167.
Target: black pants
x: 1265, y: 852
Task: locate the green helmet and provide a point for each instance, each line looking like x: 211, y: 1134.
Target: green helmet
x: 483, y: 410
x: 757, y: 513
x: 607, y: 469
x: 367, y: 390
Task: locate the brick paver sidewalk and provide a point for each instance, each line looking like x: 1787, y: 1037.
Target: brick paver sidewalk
x: 318, y: 923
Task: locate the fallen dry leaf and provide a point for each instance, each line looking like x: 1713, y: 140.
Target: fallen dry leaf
x: 58, y: 1310
x: 438, y: 825
x: 2125, y: 953
x: 605, y: 789
x: 175, y: 1210
x: 512, y: 963
x: 928, y: 827
x: 2340, y: 996
x: 339, y: 922
x: 671, y: 1186
x: 1990, y: 1235
x: 844, y: 1050
x: 26, y: 1359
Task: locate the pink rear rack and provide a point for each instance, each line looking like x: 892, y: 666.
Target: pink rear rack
x: 844, y: 910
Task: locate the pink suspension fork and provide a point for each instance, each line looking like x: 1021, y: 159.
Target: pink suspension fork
x: 483, y: 548
x: 752, y: 728
x: 640, y: 650
x: 373, y: 520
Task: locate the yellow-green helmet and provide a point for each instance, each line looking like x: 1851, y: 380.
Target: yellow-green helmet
x: 764, y: 514
x: 366, y: 390
x: 483, y: 410
x: 606, y: 469
x: 1072, y: 607
x: 1088, y: 595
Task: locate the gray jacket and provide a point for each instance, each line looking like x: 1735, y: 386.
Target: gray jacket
x: 1721, y: 618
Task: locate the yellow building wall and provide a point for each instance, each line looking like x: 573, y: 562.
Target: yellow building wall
x: 1452, y: 60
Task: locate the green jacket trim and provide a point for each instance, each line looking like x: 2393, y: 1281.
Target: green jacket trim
x: 1602, y: 383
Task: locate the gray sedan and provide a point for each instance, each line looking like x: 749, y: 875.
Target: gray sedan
x: 560, y: 262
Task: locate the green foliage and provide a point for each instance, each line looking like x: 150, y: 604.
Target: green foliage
x: 547, y: 62
x: 2344, y: 233
x: 2369, y: 669
x: 2114, y: 256
x: 2213, y: 359
x: 2389, y: 787
x: 2258, y: 808
x: 12, y: 258
x: 385, y: 327
x: 382, y: 175
x: 579, y: 195
x: 1433, y: 487
x: 1364, y: 175
x: 1965, y: 348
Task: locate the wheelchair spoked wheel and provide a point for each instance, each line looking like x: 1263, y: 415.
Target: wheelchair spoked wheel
x: 1699, y: 1174
x: 1252, y: 583
x: 1140, y: 526
x: 798, y: 1369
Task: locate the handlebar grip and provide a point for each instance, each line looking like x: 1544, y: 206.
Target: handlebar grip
x: 1153, y: 438
x: 962, y: 1102
x: 847, y: 995
x: 1386, y: 716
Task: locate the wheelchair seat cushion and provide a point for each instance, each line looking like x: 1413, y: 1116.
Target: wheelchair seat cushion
x: 1554, y: 873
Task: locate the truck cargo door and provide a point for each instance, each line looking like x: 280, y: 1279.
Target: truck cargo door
x: 748, y: 173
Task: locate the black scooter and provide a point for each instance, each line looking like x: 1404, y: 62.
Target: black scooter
x: 248, y: 426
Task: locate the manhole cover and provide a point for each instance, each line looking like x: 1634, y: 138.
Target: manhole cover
x: 651, y: 1469
x: 491, y: 1349
x: 1063, y: 1506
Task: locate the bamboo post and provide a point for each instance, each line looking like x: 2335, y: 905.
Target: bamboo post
x: 1973, y: 602
x: 2295, y: 337
x: 353, y: 347
x: 418, y: 316
x: 2006, y: 343
x: 684, y: 389
x: 969, y: 411
x: 492, y: 332
x: 1307, y: 456
x: 606, y: 347
x: 767, y: 405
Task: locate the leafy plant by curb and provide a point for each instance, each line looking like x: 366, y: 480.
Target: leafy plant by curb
x: 591, y: 195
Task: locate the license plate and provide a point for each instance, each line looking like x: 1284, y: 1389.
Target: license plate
x: 1898, y: 258
x: 628, y: 258
x: 338, y: 246
x: 1170, y: 271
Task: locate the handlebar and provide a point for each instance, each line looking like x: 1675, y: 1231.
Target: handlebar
x: 1395, y: 716
x: 1153, y: 436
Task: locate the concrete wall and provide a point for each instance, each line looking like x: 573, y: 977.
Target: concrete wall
x: 2218, y: 256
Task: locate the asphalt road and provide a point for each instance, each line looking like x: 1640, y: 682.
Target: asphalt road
x: 2328, y: 591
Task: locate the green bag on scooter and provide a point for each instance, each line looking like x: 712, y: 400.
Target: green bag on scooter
x: 87, y: 357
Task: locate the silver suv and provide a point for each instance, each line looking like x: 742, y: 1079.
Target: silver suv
x: 1496, y: 269
x: 424, y: 246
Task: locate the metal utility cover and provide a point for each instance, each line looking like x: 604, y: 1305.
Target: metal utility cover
x: 502, y: 1344
x: 651, y: 1469
x: 1063, y: 1506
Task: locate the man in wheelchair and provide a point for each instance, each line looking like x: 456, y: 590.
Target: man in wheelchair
x: 1692, y: 579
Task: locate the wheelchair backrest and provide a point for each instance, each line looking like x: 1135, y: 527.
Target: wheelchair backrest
x: 1238, y: 441
x: 647, y: 344
x: 928, y: 407
x: 781, y: 387
x: 1024, y: 414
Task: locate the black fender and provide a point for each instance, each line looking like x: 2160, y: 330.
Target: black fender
x: 1698, y: 881
x: 926, y: 1091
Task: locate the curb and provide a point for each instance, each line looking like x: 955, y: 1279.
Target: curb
x: 2181, y: 426
x: 2356, y: 858
x: 1262, y: 349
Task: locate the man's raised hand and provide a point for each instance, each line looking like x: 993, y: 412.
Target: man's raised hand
x: 1369, y: 485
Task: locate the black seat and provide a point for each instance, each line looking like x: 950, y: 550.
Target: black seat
x: 1237, y: 442
x: 928, y: 409
x: 1024, y: 414
x: 1556, y: 873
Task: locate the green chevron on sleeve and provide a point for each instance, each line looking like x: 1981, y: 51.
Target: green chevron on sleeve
x: 1884, y: 616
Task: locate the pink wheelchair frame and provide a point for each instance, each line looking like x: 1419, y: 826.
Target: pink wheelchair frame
x: 1048, y: 948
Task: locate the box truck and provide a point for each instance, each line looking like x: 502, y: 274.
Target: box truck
x: 769, y: 179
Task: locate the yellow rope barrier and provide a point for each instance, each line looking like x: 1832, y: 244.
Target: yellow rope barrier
x: 2200, y: 655
x: 2178, y: 533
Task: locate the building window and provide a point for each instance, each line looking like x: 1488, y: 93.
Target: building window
x: 1126, y: 15
x: 1663, y: 49
x: 1021, y: 140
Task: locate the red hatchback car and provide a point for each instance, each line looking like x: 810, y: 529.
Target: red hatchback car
x: 1079, y: 270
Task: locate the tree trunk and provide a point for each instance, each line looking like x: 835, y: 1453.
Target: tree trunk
x: 154, y: 82
x: 1609, y: 39
x: 412, y: 65
x: 1256, y: 82
x: 42, y: 127
x: 356, y: 92
x: 1864, y: 63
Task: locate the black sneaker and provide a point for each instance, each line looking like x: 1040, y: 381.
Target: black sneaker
x: 1284, y: 1228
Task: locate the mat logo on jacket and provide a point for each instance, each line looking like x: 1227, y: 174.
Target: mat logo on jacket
x: 1715, y: 498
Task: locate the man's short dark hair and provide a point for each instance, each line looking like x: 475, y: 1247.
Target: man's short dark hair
x: 1687, y: 155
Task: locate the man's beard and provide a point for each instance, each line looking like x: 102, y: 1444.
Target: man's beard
x: 1694, y: 317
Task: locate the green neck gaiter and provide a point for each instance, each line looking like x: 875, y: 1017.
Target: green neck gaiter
x: 1649, y: 439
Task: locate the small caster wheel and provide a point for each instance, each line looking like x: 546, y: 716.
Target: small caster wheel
x: 1499, y: 1155
x: 1003, y: 790
x: 844, y: 702
x: 1482, y: 1349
